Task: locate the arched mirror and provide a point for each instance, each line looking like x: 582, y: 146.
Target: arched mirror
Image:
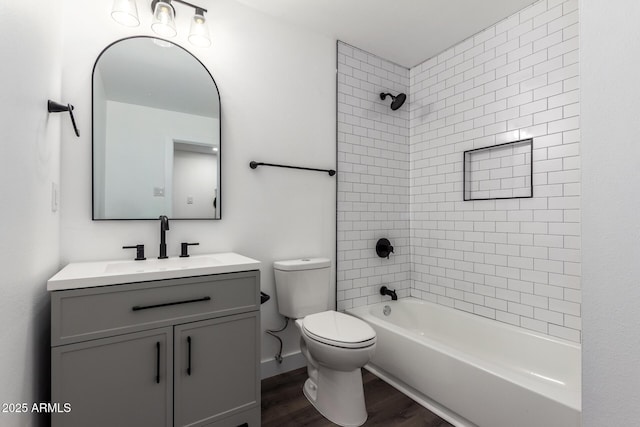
x: 156, y: 133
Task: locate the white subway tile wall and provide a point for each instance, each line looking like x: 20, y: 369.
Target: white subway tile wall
x: 400, y: 174
x: 515, y: 261
x: 373, y: 178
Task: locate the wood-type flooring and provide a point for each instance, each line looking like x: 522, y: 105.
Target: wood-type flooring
x: 283, y: 404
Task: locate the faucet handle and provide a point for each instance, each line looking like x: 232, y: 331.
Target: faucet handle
x: 139, y: 251
x: 184, y: 249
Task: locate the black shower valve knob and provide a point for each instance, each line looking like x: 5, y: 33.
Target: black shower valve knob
x: 384, y: 248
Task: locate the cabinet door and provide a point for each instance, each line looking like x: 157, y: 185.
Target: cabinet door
x: 121, y: 381
x: 216, y: 369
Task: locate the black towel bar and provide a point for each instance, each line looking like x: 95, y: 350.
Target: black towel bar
x: 254, y: 165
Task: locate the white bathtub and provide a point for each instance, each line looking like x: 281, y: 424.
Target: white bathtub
x: 474, y: 371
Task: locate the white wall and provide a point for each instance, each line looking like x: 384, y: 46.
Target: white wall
x: 139, y: 157
x: 373, y: 176
x: 195, y: 177
x: 277, y: 88
x: 29, y: 231
x: 515, y: 261
x: 610, y: 60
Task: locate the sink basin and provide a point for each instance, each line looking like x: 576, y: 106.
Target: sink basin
x: 103, y: 273
x: 160, y: 264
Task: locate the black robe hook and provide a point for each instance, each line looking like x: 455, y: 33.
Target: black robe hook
x: 55, y: 107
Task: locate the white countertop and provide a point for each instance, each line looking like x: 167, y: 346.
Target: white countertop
x: 101, y: 273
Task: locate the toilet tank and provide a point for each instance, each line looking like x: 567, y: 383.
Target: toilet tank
x: 302, y: 286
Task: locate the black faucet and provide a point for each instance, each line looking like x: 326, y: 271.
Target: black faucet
x: 164, y: 226
x: 386, y: 291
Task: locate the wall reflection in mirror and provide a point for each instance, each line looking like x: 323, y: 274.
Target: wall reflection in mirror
x: 156, y: 133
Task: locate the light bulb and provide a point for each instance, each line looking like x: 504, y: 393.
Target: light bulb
x: 199, y: 32
x: 164, y: 23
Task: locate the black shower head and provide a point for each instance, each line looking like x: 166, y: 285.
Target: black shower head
x: 398, y: 100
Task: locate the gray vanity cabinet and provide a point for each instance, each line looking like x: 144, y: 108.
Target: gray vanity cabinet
x: 215, y: 369
x: 177, y: 352
x: 100, y: 377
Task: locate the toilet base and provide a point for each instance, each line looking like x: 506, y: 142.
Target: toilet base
x: 338, y: 396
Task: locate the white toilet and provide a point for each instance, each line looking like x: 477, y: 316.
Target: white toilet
x: 335, y: 344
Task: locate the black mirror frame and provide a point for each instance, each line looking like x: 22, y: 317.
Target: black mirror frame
x: 219, y: 195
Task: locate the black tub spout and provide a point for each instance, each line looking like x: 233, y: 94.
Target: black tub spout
x: 386, y: 291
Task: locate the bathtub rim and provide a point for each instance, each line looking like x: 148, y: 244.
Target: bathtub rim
x: 475, y: 317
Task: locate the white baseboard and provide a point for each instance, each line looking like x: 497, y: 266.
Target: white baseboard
x: 290, y: 362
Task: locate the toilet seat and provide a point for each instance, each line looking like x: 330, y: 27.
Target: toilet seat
x: 338, y: 330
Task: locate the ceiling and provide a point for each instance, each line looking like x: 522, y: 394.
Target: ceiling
x: 406, y: 32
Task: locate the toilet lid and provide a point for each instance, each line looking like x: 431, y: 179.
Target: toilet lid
x: 339, y: 329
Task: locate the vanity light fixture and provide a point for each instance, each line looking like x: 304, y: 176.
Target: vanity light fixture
x: 125, y: 12
x: 164, y: 18
x: 199, y: 32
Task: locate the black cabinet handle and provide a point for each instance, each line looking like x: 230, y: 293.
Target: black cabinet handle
x: 146, y: 307
x: 158, y: 362
x: 189, y: 355
x: 243, y: 425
